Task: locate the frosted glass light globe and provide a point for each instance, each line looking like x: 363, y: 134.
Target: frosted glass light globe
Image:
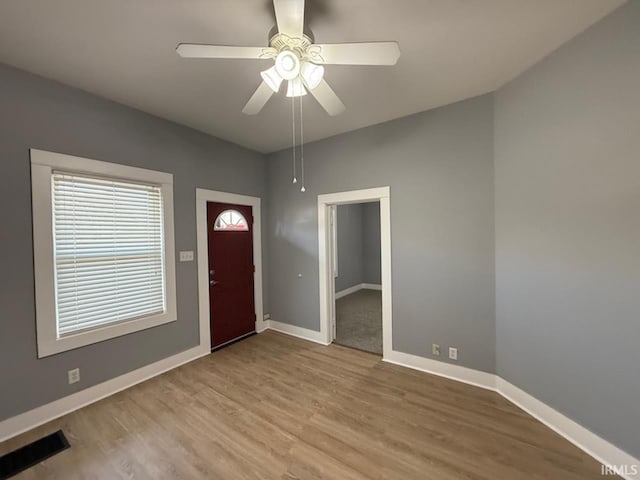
x: 288, y: 64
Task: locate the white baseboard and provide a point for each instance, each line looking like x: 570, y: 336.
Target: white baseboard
x: 355, y: 288
x: 587, y: 441
x: 348, y: 291
x: 458, y: 373
x: 262, y: 325
x: 597, y: 447
x: 38, y: 416
x: 295, y: 331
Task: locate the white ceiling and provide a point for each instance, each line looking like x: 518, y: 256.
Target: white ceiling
x: 125, y: 50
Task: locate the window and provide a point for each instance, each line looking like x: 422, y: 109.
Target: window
x: 231, y: 220
x: 107, y: 240
x: 103, y: 249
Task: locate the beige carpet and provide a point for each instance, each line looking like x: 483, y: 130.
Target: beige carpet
x: 359, y: 321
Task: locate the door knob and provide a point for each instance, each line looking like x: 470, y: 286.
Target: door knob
x: 213, y: 283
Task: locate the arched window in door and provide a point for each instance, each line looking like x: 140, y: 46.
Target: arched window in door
x: 231, y: 221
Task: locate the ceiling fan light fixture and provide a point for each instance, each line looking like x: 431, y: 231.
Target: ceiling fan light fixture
x: 297, y: 57
x: 312, y: 74
x: 287, y: 65
x: 272, y: 78
x: 295, y: 88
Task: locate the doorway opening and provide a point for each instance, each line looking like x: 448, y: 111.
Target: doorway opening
x: 355, y: 312
x: 229, y: 267
x: 357, y: 275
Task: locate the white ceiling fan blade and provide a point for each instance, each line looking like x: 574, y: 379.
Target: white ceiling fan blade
x: 326, y: 97
x: 258, y: 99
x: 194, y: 50
x: 290, y: 17
x: 368, y: 53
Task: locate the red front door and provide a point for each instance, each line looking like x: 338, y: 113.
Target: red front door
x: 231, y: 301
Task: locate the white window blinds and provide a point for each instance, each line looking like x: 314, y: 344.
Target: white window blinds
x: 108, y: 251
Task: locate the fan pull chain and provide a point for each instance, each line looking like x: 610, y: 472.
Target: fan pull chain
x: 302, y: 189
x: 293, y: 126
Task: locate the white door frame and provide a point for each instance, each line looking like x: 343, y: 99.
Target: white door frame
x: 325, y: 260
x: 202, y: 197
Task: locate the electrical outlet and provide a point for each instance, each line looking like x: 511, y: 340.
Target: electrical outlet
x: 453, y: 353
x: 435, y: 349
x: 186, y: 256
x: 73, y: 375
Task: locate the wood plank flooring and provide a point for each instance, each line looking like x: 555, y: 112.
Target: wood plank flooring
x: 276, y: 407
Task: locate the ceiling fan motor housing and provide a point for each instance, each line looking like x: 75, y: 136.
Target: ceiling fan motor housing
x: 299, y: 46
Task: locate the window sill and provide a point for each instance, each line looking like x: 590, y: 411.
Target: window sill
x: 70, y: 342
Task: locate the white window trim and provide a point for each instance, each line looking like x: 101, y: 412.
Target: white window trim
x: 42, y: 165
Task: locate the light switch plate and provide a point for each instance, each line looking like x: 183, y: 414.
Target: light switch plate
x: 186, y: 256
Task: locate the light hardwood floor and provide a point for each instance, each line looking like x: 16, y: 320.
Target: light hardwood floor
x: 276, y: 407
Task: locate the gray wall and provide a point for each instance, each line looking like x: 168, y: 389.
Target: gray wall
x: 564, y: 305
x: 567, y: 162
x: 39, y: 113
x: 439, y: 165
x: 358, y: 244
x: 350, y: 246
x: 371, y: 265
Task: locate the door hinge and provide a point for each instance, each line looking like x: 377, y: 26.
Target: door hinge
x: 254, y: 269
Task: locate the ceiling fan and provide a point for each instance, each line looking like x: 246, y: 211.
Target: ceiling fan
x: 297, y: 59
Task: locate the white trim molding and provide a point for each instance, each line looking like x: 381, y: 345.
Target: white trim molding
x: 590, y: 443
x: 587, y: 441
x: 458, y: 373
x: 202, y: 197
x: 593, y: 445
x: 325, y: 263
x: 38, y: 416
x: 355, y: 288
x: 348, y: 291
x: 295, y: 331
